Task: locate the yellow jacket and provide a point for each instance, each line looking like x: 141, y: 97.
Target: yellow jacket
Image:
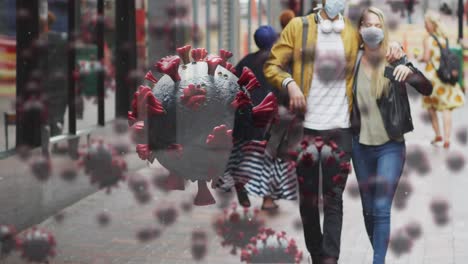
x: 289, y: 47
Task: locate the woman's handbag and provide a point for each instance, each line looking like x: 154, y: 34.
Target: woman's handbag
x: 398, y: 119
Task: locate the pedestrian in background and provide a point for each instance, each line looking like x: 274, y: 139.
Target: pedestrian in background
x: 251, y: 168
x: 445, y: 96
x: 56, y: 87
x: 285, y: 17
x: 380, y: 117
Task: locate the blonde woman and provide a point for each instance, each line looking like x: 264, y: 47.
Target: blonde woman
x: 445, y: 97
x: 380, y: 117
x: 326, y: 107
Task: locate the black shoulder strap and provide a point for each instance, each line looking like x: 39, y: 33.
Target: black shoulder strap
x: 356, y: 69
x: 438, y: 42
x: 305, y: 30
x: 440, y: 46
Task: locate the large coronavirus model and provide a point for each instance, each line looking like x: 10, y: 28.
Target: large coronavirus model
x: 36, y: 245
x: 186, y: 118
x: 105, y: 166
x: 271, y: 247
x: 237, y: 228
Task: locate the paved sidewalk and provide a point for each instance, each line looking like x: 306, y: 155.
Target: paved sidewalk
x: 80, y: 239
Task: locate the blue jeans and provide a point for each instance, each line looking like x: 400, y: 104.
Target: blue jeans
x: 378, y: 170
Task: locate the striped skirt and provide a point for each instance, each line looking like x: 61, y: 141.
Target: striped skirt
x: 260, y: 174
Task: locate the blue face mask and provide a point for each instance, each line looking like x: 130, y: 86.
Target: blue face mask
x: 334, y: 7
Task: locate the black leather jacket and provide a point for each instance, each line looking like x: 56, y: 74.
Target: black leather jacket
x: 394, y: 107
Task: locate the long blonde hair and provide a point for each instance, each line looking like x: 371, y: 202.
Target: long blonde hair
x: 379, y: 84
x: 434, y: 18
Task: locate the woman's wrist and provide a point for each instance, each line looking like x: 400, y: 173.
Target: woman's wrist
x: 411, y: 67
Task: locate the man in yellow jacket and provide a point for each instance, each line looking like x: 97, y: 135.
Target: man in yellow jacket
x: 325, y: 100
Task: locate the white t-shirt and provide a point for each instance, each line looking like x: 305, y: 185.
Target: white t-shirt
x: 327, y: 102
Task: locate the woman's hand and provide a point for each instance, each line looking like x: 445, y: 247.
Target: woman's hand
x: 401, y: 73
x: 297, y: 102
x: 394, y: 52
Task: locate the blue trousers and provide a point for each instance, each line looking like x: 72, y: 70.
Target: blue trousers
x: 378, y: 170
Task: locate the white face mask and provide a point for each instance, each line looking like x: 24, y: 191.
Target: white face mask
x: 372, y: 36
x: 334, y: 7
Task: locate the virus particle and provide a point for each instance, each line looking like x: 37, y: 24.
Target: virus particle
x: 41, y: 168
x: 440, y: 212
x: 121, y: 147
x: 186, y: 206
x: 393, y: 23
x: 166, y: 216
x: 376, y: 59
x: 7, y: 240
x: 461, y: 135
x: 24, y: 152
x: 353, y: 190
x: 306, y: 156
x: 148, y: 234
x: 120, y: 126
x: 401, y: 7
x: 329, y: 63
x: 426, y: 118
x: 69, y: 174
x: 417, y: 160
x: 140, y: 187
x: 185, y: 119
x: 400, y: 243
x: 169, y: 182
x: 199, y: 243
x: 103, y: 219
x: 103, y: 164
x: 236, y: 228
x: 271, y: 247
x: 402, y: 194
x: 298, y: 224
x: 36, y: 245
x: 59, y: 218
x: 377, y: 183
x: 413, y: 230
x: 455, y: 162
x: 178, y: 29
x: 33, y: 110
x: 224, y: 199
x: 354, y: 13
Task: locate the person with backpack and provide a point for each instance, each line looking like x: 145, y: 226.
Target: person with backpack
x: 380, y: 117
x: 320, y: 91
x: 443, y: 69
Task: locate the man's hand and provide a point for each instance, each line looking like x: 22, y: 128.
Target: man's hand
x: 394, y: 52
x: 297, y: 102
